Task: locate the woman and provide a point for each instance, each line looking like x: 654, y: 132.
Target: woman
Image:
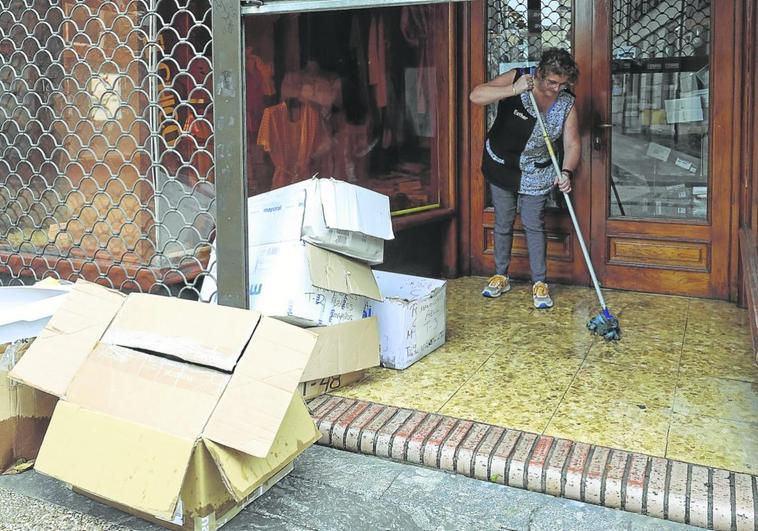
x: 516, y: 162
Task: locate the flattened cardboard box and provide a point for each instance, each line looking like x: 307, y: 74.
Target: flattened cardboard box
x: 175, y: 409
x: 24, y: 412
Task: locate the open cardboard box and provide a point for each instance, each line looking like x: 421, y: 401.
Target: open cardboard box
x: 412, y: 317
x: 177, y: 411
x: 346, y: 350
x: 328, y: 213
x: 24, y: 412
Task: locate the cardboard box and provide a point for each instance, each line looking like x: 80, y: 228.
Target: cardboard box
x: 24, y: 310
x: 411, y: 317
x: 24, y: 412
x: 199, y: 466
x: 312, y: 389
x: 330, y: 214
x: 177, y: 410
x: 345, y: 351
x: 309, y: 286
x: 344, y: 348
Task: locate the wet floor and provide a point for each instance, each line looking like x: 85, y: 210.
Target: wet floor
x: 681, y: 384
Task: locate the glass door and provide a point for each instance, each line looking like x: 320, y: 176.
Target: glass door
x: 660, y: 72
x: 661, y: 175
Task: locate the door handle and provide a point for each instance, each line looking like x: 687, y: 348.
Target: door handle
x: 597, y: 137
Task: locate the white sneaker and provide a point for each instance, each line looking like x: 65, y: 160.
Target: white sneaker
x: 496, y: 286
x: 541, y: 296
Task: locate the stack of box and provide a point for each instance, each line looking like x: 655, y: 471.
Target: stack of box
x: 310, y: 248
x: 24, y: 412
x: 177, y: 411
x: 311, y: 245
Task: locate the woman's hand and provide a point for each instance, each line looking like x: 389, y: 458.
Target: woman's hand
x: 564, y: 183
x: 522, y: 84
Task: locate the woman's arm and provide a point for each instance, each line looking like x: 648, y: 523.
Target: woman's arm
x: 572, y: 147
x: 572, y: 143
x: 500, y: 88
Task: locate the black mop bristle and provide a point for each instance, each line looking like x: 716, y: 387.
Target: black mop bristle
x: 605, y: 325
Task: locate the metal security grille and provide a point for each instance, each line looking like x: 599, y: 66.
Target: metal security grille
x: 106, y: 143
x: 518, y: 31
x: 646, y: 29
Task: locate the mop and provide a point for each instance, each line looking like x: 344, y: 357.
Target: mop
x: 604, y: 324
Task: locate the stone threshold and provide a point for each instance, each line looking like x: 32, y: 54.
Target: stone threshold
x: 698, y: 495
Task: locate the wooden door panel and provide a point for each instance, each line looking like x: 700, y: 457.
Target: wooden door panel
x: 635, y: 251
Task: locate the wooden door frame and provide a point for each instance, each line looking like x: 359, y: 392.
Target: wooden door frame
x: 701, y: 271
x: 747, y: 187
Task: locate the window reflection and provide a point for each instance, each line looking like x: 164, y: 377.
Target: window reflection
x: 660, y: 109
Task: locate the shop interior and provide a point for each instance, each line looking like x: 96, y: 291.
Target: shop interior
x: 354, y: 95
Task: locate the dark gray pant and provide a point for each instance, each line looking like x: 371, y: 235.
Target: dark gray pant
x: 533, y: 219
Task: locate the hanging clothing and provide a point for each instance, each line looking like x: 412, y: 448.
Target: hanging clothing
x: 290, y: 143
x: 377, y: 60
x: 259, y: 83
x: 417, y: 27
x: 515, y: 156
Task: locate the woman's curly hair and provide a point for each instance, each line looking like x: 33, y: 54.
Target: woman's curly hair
x: 558, y: 61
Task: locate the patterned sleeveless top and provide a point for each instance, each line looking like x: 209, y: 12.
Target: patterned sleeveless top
x: 515, y: 155
x: 536, y: 178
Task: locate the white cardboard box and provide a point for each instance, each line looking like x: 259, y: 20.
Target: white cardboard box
x: 25, y: 310
x: 411, y: 317
x: 330, y: 214
x: 309, y: 286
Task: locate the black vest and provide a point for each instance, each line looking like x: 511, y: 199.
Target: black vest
x: 506, y: 139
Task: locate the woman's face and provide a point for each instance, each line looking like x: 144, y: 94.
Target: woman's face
x: 551, y: 83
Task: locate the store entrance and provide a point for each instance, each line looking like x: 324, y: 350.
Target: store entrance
x: 652, y: 191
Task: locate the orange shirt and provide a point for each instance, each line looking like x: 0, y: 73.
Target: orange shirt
x: 290, y: 143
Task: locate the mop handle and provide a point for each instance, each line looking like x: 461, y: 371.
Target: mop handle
x: 568, y: 202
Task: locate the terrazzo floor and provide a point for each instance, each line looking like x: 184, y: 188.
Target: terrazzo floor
x: 681, y: 384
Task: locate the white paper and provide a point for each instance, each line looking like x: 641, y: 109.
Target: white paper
x: 684, y: 110
x: 25, y: 310
x: 658, y: 151
x: 682, y: 163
